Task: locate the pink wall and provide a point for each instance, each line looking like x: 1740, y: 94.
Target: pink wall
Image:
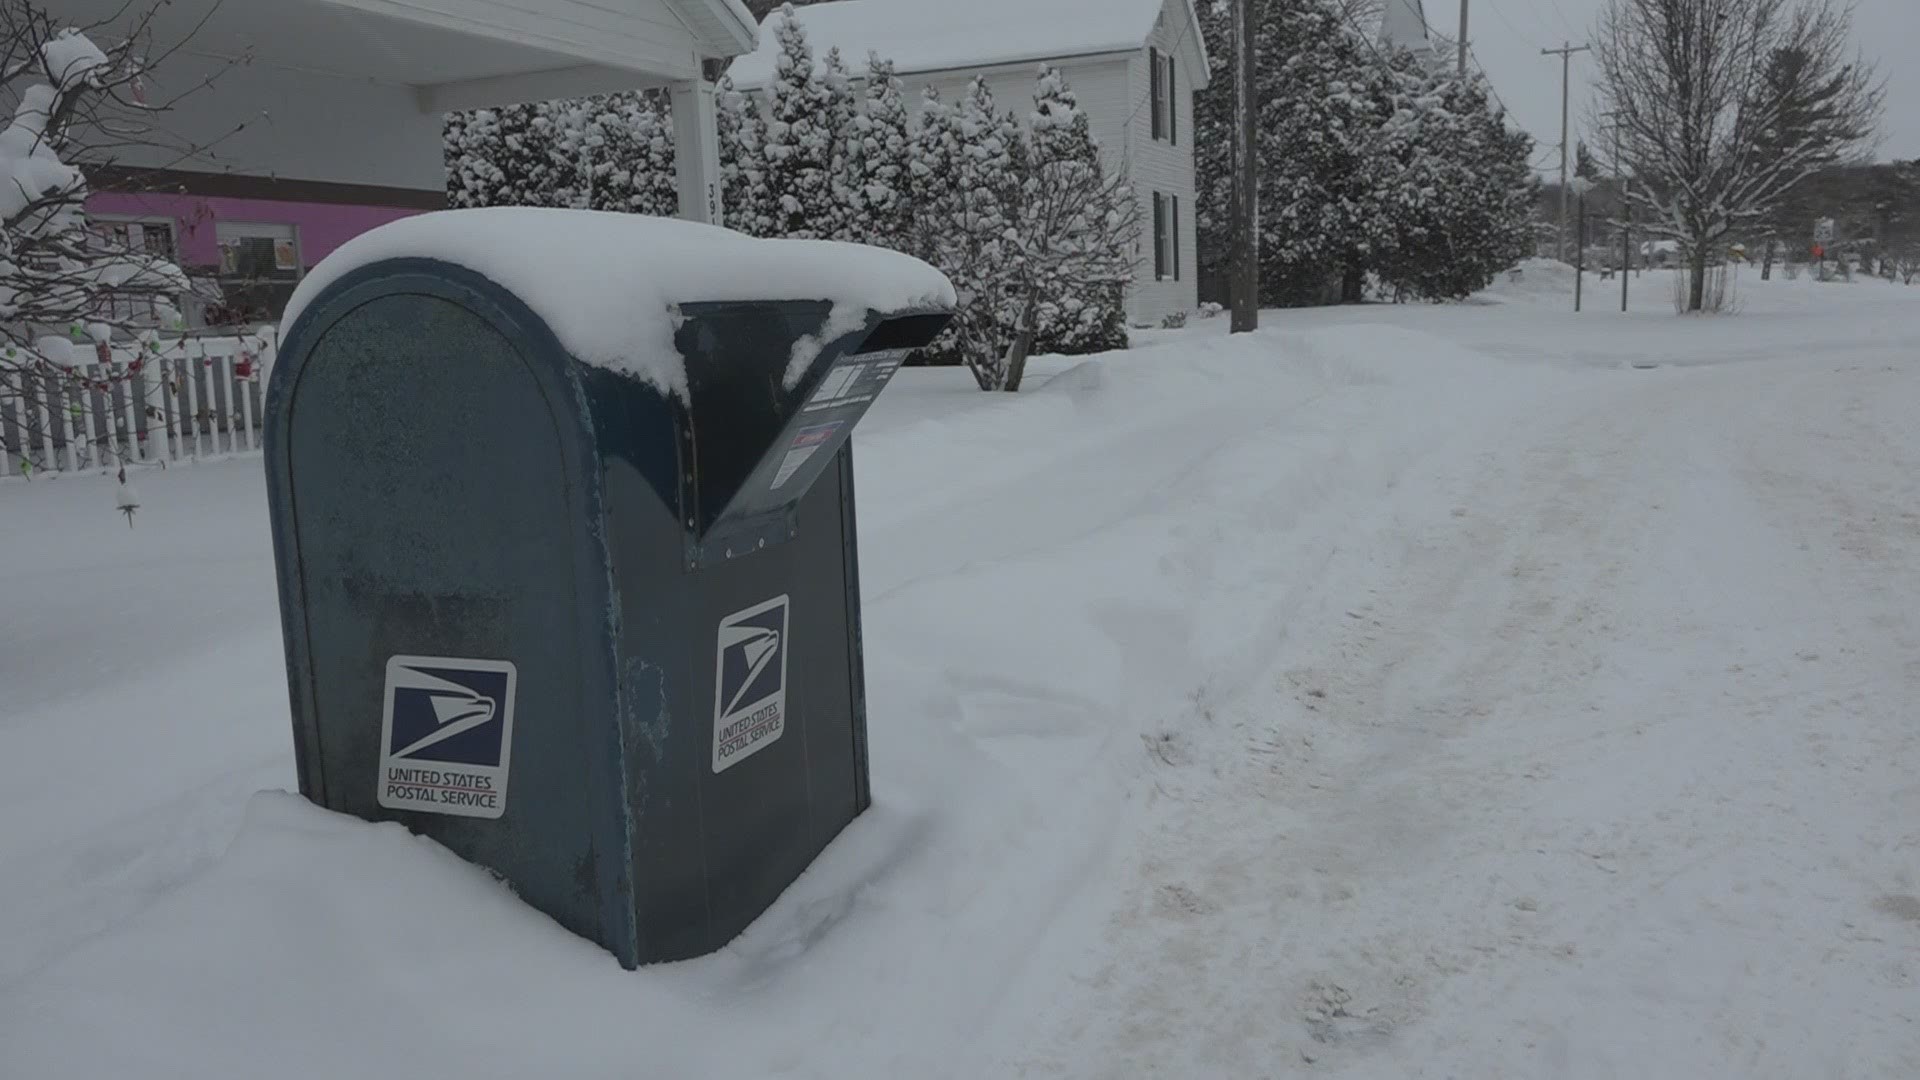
x: 321, y: 226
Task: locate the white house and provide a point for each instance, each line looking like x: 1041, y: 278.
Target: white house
x: 1134, y: 64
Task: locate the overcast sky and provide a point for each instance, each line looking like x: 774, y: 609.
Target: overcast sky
x: 1508, y: 35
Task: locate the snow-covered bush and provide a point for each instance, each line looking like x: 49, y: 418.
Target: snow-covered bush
x: 1039, y: 240
x: 67, y: 289
x: 606, y: 152
x: 1078, y: 225
x: 967, y: 164
x: 1906, y: 262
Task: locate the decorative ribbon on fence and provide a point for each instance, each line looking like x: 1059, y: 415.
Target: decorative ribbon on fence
x: 148, y: 402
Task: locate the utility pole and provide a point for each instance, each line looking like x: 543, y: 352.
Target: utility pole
x: 1463, y: 37
x: 1565, y: 53
x: 1245, y: 290
x: 1626, y: 206
x: 1580, y: 249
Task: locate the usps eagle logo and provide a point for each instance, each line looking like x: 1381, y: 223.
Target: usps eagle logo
x: 750, y: 682
x: 446, y: 735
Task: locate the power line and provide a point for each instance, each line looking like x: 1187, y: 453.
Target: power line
x: 1561, y: 14
x: 1565, y: 53
x: 1474, y: 54
x: 1519, y: 33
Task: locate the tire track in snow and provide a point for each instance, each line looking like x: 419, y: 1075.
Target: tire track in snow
x: 1434, y: 815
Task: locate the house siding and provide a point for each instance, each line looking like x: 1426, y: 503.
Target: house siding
x: 1156, y: 165
x: 1115, y: 91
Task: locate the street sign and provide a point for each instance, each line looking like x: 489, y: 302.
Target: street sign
x: 1823, y: 232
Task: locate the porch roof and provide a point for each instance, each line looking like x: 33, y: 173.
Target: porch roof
x: 447, y: 54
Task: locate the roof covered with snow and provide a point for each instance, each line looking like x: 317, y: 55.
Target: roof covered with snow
x: 606, y: 283
x: 937, y: 35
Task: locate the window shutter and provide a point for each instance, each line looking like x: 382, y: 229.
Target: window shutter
x: 1159, y: 236
x: 1154, y: 56
x: 1173, y: 235
x: 1173, y: 103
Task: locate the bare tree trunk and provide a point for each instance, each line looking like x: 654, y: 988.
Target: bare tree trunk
x: 1022, y: 343
x: 1353, y: 286
x: 1766, y: 261
x: 1697, y: 269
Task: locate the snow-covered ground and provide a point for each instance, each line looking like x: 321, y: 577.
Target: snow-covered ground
x: 1414, y: 691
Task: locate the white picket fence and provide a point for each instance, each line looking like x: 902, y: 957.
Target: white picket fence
x: 179, y: 399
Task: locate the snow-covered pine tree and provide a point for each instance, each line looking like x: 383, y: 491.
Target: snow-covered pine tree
x: 799, y: 145
x: 571, y: 151
x: 1077, y: 228
x: 472, y: 142
x: 972, y: 240
x: 627, y: 144
x: 1457, y: 190
x: 877, y: 178
x: 505, y: 157
x: 605, y: 152
x: 845, y: 146
x: 743, y: 139
x: 936, y: 169
x: 933, y: 170
x: 1323, y: 98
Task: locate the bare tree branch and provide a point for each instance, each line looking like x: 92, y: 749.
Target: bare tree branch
x: 1724, y: 106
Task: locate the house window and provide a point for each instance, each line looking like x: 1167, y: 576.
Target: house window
x: 1174, y: 235
x: 1165, y: 96
x: 259, y: 268
x: 150, y: 237
x: 1166, y: 237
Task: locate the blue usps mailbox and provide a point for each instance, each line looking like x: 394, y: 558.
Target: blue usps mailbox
x: 592, y: 624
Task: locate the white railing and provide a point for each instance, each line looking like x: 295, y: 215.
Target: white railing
x: 178, y: 399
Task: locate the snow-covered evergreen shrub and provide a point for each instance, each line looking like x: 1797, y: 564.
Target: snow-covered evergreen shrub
x: 743, y: 166
x: 606, y: 152
x: 968, y: 166
x: 1368, y: 165
x: 1457, y: 193
x: 876, y: 168
x: 1079, y: 228
x: 802, y: 110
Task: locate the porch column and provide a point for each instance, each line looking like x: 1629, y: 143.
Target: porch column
x: 696, y: 151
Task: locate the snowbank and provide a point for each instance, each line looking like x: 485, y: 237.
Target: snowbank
x: 607, y: 283
x: 1548, y: 280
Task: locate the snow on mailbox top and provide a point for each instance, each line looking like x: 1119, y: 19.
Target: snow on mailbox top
x: 606, y: 283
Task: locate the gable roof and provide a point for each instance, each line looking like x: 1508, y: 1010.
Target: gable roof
x: 1405, y: 25
x: 939, y: 35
